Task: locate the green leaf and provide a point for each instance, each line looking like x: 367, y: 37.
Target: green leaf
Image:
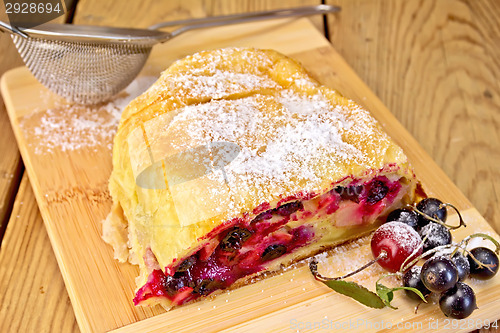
x: 357, y: 292
x: 386, y: 294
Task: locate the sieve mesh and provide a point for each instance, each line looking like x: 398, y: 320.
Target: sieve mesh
x: 90, y: 64
x: 82, y: 72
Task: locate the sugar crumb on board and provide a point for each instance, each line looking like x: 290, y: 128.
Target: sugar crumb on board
x: 67, y: 127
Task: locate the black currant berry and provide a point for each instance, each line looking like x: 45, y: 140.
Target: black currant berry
x: 273, y: 251
x: 376, y: 191
x: 433, y: 208
x: 487, y: 258
x: 206, y: 286
x: 463, y: 266
x: 434, y: 235
x: 173, y: 284
x: 439, y: 274
x: 234, y: 239
x: 351, y: 193
x: 289, y: 208
x: 404, y: 215
x: 458, y: 302
x: 186, y: 264
x: 412, y: 279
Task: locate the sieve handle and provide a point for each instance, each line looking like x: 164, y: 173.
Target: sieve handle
x: 4, y: 27
x: 216, y: 21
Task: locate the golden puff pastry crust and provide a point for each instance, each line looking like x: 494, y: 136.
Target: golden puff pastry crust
x: 232, y: 139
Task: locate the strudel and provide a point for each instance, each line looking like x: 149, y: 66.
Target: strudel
x: 235, y: 162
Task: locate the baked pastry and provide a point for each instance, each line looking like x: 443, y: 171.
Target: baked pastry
x: 237, y: 162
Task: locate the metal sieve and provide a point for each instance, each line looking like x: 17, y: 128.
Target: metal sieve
x: 90, y: 64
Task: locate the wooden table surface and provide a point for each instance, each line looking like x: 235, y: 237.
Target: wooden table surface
x: 435, y: 65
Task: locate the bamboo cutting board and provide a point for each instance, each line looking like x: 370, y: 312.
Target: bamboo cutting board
x: 67, y: 153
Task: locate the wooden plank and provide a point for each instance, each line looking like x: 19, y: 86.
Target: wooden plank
x: 139, y: 13
x: 10, y: 167
x: 439, y: 60
x: 33, y: 299
x: 70, y: 187
x: 10, y: 163
x: 30, y: 280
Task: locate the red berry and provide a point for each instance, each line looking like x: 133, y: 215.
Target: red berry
x: 398, y: 240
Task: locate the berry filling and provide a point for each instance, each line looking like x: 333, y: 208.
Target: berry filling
x: 243, y: 247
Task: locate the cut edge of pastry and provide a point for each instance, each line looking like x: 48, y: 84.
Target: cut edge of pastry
x: 130, y: 226
x: 273, y: 270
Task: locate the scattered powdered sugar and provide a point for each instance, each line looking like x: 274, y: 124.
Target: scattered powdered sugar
x: 68, y: 127
x: 215, y: 85
x: 341, y: 253
x: 294, y: 144
x: 301, y: 82
x: 212, y: 60
x: 294, y: 136
x: 291, y: 136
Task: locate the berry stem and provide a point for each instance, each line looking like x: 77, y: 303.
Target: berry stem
x: 427, y: 253
x: 451, y: 227
x: 480, y: 264
x: 466, y: 252
x: 462, y: 222
x: 313, y: 266
x: 460, y: 246
x: 421, y: 245
x: 482, y: 235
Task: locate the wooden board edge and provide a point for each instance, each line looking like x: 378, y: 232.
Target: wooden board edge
x: 83, y: 323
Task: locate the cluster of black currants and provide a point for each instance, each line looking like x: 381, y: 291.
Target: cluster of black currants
x: 446, y: 266
x: 420, y: 232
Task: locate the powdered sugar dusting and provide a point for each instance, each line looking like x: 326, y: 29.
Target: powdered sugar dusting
x: 435, y: 234
x: 302, y: 104
x: 214, y: 85
x: 303, y: 140
x: 294, y: 136
x: 339, y: 260
x: 205, y: 75
x: 408, y: 238
x: 74, y: 127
